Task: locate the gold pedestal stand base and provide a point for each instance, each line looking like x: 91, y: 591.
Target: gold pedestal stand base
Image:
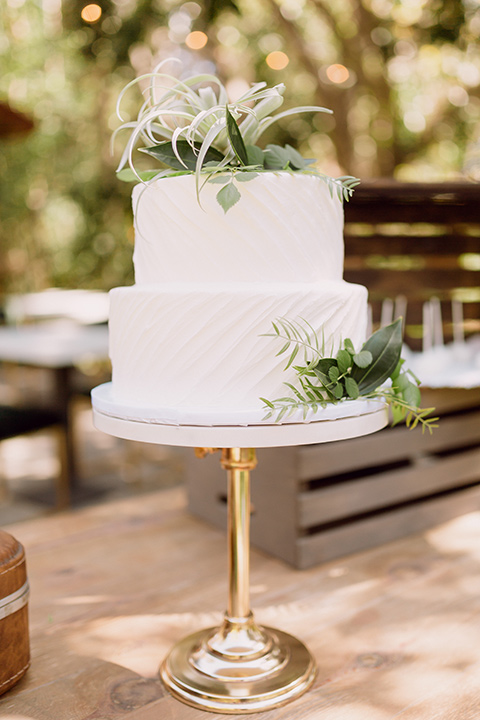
x: 239, y: 667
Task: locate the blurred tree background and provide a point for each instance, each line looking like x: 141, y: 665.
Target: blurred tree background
x: 402, y: 77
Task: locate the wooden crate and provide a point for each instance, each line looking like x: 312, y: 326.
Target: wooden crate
x: 314, y: 503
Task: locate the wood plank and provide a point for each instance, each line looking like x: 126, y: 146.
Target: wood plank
x: 406, y: 280
x: 425, y: 479
x: 445, y: 242
x: 403, y: 262
x: 364, y: 534
x: 395, y: 631
x: 390, y: 201
x: 98, y: 690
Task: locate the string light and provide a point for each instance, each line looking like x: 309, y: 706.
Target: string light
x: 196, y: 40
x: 91, y: 13
x: 277, y: 60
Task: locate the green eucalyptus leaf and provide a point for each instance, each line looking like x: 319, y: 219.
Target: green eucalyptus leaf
x: 363, y: 359
x: 296, y: 160
x: 322, y: 369
x: 292, y: 356
x: 398, y: 369
x: 412, y: 395
x: 283, y: 349
x: 398, y: 413
x: 255, y: 155
x: 333, y: 373
x: 245, y: 176
x: 235, y: 137
x: 352, y: 388
x: 220, y: 179
x: 268, y: 403
x: 338, y: 390
x: 385, y: 345
x: 276, y: 157
x: 228, y: 196
x: 344, y: 360
x: 401, y: 382
x: 165, y: 153
x: 408, y: 391
x: 349, y: 346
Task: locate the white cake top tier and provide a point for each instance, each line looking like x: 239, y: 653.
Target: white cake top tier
x: 285, y: 227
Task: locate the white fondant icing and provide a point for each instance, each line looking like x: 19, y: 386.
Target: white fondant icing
x: 285, y: 228
x: 186, y: 340
x: 190, y: 346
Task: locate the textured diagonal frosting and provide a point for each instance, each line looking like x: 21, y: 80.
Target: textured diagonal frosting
x: 194, y: 347
x: 186, y: 340
x: 285, y: 228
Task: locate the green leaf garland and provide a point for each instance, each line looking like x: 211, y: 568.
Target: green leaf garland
x: 349, y: 375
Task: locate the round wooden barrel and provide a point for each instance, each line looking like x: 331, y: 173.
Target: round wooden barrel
x: 14, y: 639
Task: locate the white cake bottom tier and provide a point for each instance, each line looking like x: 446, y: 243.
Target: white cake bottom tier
x: 187, y: 354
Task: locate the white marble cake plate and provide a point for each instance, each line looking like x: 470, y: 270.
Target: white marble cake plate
x: 337, y: 422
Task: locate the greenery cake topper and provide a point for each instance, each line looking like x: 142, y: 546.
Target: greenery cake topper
x: 376, y: 372
x: 191, y: 127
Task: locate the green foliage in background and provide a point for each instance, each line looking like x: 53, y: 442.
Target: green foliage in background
x: 402, y: 79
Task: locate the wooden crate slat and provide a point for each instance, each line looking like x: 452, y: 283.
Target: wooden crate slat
x: 345, y: 499
x: 375, y: 212
x: 419, y: 263
x: 388, y: 446
x: 397, y: 282
x: 448, y: 244
x: 385, y: 527
x: 448, y: 400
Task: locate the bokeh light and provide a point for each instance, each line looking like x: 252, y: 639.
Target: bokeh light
x: 337, y: 73
x: 196, y: 40
x: 277, y: 60
x: 91, y: 13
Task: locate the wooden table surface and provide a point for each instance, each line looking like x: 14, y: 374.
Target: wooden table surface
x: 395, y: 630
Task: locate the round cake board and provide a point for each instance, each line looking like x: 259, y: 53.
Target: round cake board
x: 351, y: 419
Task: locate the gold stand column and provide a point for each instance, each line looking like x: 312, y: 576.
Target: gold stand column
x: 239, y: 667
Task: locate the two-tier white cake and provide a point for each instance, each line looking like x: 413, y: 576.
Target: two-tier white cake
x: 187, y: 340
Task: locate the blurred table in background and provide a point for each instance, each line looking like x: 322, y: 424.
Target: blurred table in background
x: 62, y: 346
x: 86, y: 307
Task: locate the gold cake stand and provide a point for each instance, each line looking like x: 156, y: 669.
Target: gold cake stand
x: 239, y: 667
